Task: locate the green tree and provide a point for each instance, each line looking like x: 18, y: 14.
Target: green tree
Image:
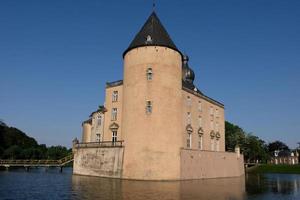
x: 12, y: 152
x: 277, y: 145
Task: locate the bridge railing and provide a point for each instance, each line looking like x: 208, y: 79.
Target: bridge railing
x: 61, y: 161
x: 99, y: 144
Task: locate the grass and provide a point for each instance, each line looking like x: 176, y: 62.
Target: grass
x: 283, y: 169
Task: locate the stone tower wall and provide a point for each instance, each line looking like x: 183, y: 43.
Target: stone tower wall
x: 152, y: 141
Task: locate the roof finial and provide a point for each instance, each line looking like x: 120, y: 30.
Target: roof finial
x: 153, y: 5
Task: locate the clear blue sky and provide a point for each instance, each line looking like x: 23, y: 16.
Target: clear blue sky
x: 55, y: 57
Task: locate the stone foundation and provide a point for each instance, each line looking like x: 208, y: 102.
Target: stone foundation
x: 196, y: 164
x: 99, y: 161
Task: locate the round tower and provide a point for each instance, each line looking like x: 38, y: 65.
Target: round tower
x: 86, y: 131
x: 152, y: 105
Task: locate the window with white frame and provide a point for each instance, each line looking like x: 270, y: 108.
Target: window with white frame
x: 199, y: 106
x: 98, y: 137
x: 189, y: 140
x: 200, y: 121
x: 189, y: 118
x: 99, y: 120
x: 114, y: 112
x: 149, y: 74
x: 115, y: 96
x: 114, y: 136
x: 148, y: 107
x: 200, y: 142
x: 189, y: 101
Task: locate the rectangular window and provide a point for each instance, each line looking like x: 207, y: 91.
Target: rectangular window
x: 189, y: 118
x: 98, y: 137
x: 99, y: 121
x: 115, y: 96
x: 149, y: 74
x: 200, y: 142
x: 148, y: 107
x: 114, y: 136
x: 189, y: 140
x: 199, y: 106
x: 217, y: 112
x: 114, y: 114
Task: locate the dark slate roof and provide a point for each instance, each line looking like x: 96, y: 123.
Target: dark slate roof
x: 284, y: 153
x: 114, y: 83
x: 158, y: 35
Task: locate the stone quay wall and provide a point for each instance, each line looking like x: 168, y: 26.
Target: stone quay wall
x: 99, y: 161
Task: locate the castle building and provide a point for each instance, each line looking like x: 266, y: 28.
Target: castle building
x: 156, y: 124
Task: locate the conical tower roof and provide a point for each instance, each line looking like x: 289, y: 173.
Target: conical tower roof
x: 152, y: 33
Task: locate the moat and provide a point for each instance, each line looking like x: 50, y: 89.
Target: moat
x: 38, y: 184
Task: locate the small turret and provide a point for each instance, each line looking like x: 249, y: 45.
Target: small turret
x: 188, y: 74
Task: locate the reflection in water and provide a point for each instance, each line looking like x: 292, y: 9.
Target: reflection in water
x: 273, y: 186
x: 103, y: 188
x: 38, y: 184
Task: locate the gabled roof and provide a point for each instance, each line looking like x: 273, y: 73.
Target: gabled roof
x: 152, y: 33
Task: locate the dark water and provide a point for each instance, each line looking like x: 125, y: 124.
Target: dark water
x: 38, y: 184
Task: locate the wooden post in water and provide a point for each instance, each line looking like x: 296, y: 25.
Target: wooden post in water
x: 61, y: 169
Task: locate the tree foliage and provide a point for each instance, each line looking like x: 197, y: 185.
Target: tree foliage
x: 15, y: 144
x: 253, y: 148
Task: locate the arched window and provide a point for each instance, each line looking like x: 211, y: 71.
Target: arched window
x: 149, y: 74
x: 199, y: 106
x: 148, y: 107
x: 212, y: 141
x: 189, y: 101
x: 200, y: 142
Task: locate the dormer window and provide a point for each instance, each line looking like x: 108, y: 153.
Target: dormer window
x: 149, y: 74
x: 149, y: 39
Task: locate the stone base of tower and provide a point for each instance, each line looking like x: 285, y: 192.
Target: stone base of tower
x: 194, y: 164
